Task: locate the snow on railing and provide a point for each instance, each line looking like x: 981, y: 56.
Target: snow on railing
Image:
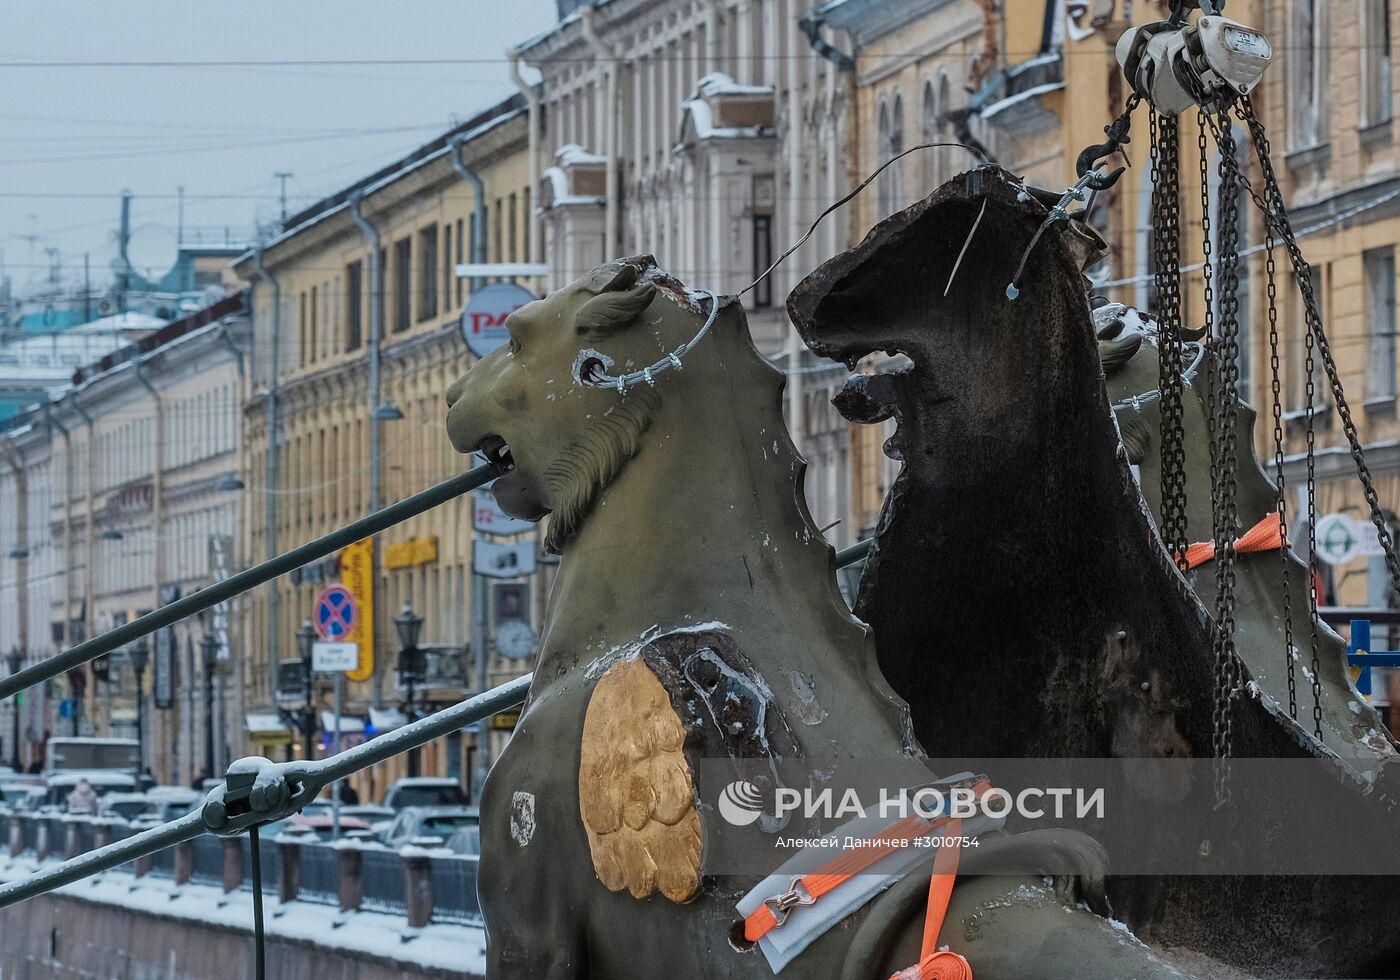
x: 421, y: 885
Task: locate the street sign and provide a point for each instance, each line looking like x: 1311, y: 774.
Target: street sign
x: 484, y: 319
x: 1339, y: 539
x: 488, y: 518
x: 329, y: 657
x: 503, y: 560
x: 336, y: 613
x: 357, y: 575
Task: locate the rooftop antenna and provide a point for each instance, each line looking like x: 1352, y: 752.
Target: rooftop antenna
x: 282, y: 176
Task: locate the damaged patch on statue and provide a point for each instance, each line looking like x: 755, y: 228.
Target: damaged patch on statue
x: 636, y: 792
x: 522, y: 817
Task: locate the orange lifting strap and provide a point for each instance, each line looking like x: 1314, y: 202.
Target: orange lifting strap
x: 1264, y: 536
x: 807, y: 889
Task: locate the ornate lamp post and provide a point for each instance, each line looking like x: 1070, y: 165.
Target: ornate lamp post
x: 14, y: 660
x: 306, y: 638
x: 139, y: 656
x: 209, y: 647
x: 410, y: 665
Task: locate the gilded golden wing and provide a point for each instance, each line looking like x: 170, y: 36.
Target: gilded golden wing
x: 636, y: 793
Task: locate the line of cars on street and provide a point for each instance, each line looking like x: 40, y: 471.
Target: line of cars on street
x: 100, y: 777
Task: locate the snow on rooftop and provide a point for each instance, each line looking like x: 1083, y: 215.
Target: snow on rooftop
x: 55, y: 356
x: 571, y: 155
x: 718, y: 83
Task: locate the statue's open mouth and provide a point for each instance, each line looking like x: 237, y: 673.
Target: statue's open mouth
x: 496, y: 451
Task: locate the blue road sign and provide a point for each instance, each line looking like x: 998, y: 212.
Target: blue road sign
x: 336, y: 612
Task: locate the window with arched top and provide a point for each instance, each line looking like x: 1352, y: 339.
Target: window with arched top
x: 928, y: 133
x: 882, y: 149
x: 945, y: 130
x: 896, y: 170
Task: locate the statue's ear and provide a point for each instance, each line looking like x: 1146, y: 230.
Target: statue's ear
x: 608, y: 312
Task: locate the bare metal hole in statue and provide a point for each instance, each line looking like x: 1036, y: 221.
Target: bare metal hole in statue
x: 737, y: 939
x: 591, y: 370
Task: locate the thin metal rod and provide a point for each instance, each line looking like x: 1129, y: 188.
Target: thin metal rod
x: 855, y: 553
x: 314, y: 775
x: 423, y: 731
x: 247, y: 579
x: 188, y: 827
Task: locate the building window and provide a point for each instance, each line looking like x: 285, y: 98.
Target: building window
x: 354, y: 304
x: 896, y: 170
x: 513, y: 215
x: 459, y: 257
x: 883, y: 197
x: 1380, y: 314
x: 928, y: 133
x: 315, y: 331
x: 1319, y: 280
x: 403, y: 284
x: 1375, y: 62
x: 427, y: 273
x: 447, y: 271
x: 497, y: 255
x: 762, y: 259
x: 303, y: 330
x: 1307, y: 74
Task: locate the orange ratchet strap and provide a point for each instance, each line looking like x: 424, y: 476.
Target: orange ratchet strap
x: 1264, y: 536
x: 935, y: 963
x: 807, y: 889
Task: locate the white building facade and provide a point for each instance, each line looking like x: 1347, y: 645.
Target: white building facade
x: 710, y: 134
x: 116, y: 497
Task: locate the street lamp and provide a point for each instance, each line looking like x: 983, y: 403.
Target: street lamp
x: 14, y: 660
x: 306, y: 638
x: 209, y: 647
x: 139, y: 655
x: 410, y: 665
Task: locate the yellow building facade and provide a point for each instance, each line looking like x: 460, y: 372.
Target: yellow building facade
x: 1034, y: 83
x: 312, y: 307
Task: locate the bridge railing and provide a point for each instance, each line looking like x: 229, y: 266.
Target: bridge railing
x: 256, y: 792
x: 420, y: 883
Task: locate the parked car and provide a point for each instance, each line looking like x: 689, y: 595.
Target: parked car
x: 323, y: 825
x: 429, y: 821
x: 424, y: 791
x: 127, y: 806
x: 172, y: 802
x: 12, y: 793
x: 465, y: 840
x: 34, y: 796
x: 376, y: 815
x: 103, y: 781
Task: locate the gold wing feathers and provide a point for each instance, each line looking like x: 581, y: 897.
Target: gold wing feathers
x: 636, y: 792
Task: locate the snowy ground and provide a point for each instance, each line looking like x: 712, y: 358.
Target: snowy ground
x: 455, y: 948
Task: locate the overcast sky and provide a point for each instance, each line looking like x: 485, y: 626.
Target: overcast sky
x: 72, y: 137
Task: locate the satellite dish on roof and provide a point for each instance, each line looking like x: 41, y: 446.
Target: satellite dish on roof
x: 151, y: 251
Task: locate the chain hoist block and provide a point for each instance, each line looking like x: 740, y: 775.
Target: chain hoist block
x: 1208, y: 64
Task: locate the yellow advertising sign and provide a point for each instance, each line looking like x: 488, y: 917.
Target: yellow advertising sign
x: 406, y: 554
x: 357, y: 575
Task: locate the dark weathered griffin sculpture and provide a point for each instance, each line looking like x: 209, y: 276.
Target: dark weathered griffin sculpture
x: 1022, y: 602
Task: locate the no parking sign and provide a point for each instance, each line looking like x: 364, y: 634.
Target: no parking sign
x: 336, y: 613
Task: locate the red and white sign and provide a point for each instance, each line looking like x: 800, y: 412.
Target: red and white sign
x: 484, y: 319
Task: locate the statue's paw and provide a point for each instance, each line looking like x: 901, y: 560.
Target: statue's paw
x: 1076, y: 863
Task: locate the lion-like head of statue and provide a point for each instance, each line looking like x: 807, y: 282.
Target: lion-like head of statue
x: 562, y: 441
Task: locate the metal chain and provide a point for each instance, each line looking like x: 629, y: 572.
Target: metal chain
x: 1310, y: 409
x: 1281, y: 499
x: 1208, y: 296
x: 1226, y: 513
x: 1166, y: 240
x: 1277, y: 214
